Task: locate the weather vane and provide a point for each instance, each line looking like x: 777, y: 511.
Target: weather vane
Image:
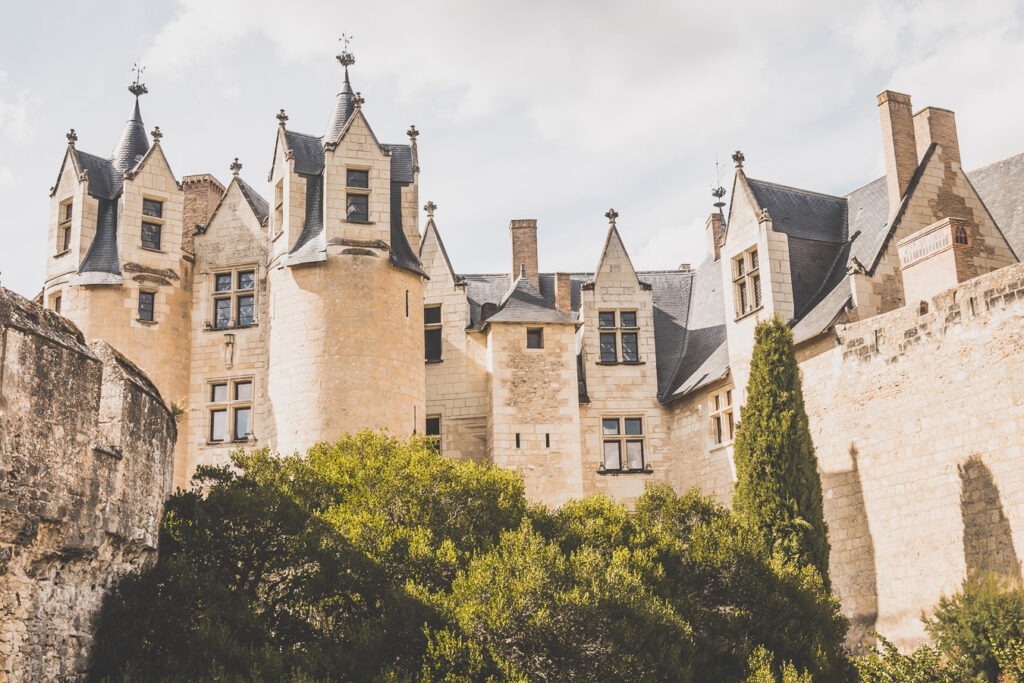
x: 718, y: 191
x: 346, y: 58
x: 137, y: 87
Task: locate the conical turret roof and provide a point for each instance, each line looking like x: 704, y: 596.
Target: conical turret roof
x: 345, y: 104
x: 133, y: 144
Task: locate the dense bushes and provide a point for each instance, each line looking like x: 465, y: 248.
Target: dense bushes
x: 376, y: 560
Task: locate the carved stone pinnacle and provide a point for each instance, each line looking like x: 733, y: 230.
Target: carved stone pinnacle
x: 611, y: 216
x: 156, y: 134
x: 282, y: 117
x: 738, y: 158
x: 72, y: 137
x: 235, y: 166
x: 430, y: 208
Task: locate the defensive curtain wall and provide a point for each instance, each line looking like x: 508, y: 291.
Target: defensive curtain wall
x: 918, y: 420
x: 86, y: 463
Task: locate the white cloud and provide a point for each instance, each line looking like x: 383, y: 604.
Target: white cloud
x: 16, y: 112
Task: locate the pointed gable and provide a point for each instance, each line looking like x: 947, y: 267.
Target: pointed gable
x: 615, y: 264
x: 433, y: 255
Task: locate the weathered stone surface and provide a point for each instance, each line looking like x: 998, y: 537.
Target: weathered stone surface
x: 85, y: 466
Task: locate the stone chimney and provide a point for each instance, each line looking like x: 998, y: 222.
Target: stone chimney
x: 713, y: 229
x: 898, y: 143
x: 202, y: 193
x: 563, y: 293
x: 932, y: 124
x: 524, y: 248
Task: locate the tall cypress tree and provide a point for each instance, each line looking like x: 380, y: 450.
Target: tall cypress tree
x: 778, y: 488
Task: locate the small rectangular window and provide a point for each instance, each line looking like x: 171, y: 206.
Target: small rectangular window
x: 152, y: 208
x: 243, y: 423
x: 246, y: 279
x: 753, y: 260
x: 606, y: 319
x: 222, y: 312
x: 68, y: 208
x: 535, y: 338
x: 630, y: 353
x: 432, y: 340
x: 628, y: 318
x: 609, y: 352
x: 722, y: 428
x: 757, y: 290
x: 358, y: 208
x: 218, y: 424
x: 243, y: 391
x: 433, y: 431
x: 628, y: 442
x: 222, y: 282
x: 610, y: 426
x: 355, y: 177
x: 151, y: 236
x: 56, y: 304
x: 634, y: 454
x: 744, y: 305
x: 146, y: 306
x: 613, y: 455
x: 741, y: 267
x: 246, y: 310
x: 634, y: 426
x: 65, y: 238
x: 218, y: 393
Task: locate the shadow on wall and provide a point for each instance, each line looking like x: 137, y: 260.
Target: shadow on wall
x: 853, y: 549
x: 988, y: 539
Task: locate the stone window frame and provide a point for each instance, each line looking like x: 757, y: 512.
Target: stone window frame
x: 721, y: 418
x: 623, y: 439
x: 961, y: 236
x: 230, y: 407
x: 55, y: 301
x: 534, y: 338
x: 352, y: 191
x: 433, y: 329
x: 746, y: 283
x: 140, y: 309
x: 434, y: 435
x: 153, y: 220
x: 65, y: 211
x: 234, y: 295
x: 617, y: 332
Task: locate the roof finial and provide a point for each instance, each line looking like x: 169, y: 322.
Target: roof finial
x: 412, y: 133
x: 235, y: 167
x: 138, y: 88
x: 346, y: 58
x: 738, y: 158
x: 358, y: 100
x: 430, y: 208
x: 718, y: 191
x: 72, y: 137
x: 282, y: 117
x: 156, y: 134
x: 611, y: 216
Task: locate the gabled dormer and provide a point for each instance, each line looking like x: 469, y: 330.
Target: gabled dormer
x: 343, y: 189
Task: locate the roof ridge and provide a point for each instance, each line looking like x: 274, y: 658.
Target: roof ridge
x: 994, y: 163
x: 796, y: 189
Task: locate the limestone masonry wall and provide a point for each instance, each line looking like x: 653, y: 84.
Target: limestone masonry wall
x: 918, y: 421
x: 86, y: 462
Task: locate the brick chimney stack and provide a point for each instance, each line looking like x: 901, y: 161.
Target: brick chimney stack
x: 932, y: 124
x: 899, y: 144
x: 713, y: 229
x: 563, y: 293
x: 524, y: 248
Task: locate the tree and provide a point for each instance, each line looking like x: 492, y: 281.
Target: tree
x: 778, y: 488
x: 372, y: 559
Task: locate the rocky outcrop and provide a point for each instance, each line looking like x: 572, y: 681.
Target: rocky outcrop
x: 85, y: 466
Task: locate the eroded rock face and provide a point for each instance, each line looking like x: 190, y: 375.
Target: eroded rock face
x: 85, y: 466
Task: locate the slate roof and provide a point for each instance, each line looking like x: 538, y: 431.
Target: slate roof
x: 133, y: 144
x: 257, y: 203
x: 102, y: 256
x: 402, y: 163
x: 105, y: 181
x: 311, y: 244
x: 343, y: 108
x: 523, y: 303
x: 308, y: 151
x: 1001, y: 186
x: 802, y: 213
x: 698, y: 352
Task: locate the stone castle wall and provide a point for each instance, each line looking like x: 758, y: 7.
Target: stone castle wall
x: 918, y: 422
x: 85, y: 465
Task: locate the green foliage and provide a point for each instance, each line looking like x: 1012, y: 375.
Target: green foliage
x: 1011, y: 660
x: 985, y: 617
x: 371, y: 559
x: 778, y: 489
x: 925, y: 665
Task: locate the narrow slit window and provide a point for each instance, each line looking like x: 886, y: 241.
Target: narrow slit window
x: 432, y: 339
x: 146, y: 305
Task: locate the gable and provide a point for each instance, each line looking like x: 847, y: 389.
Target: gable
x: 615, y: 265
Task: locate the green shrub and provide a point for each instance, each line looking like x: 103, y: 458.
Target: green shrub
x: 924, y: 665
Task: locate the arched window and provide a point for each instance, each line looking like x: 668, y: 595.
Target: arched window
x: 960, y: 236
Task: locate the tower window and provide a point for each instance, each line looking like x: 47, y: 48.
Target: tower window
x: 432, y: 333
x: 64, y: 227
x: 230, y: 410
x: 535, y: 338
x: 961, y: 237
x: 153, y: 211
x: 279, y: 206
x: 146, y: 301
x: 623, y: 444
x: 747, y: 282
x: 357, y: 198
x: 234, y: 298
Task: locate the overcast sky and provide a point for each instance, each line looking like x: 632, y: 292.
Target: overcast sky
x: 548, y: 110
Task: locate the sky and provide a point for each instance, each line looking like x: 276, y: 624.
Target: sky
x: 550, y: 110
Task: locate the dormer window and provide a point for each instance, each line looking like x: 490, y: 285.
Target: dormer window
x: 618, y: 332
x: 153, y: 213
x: 64, y: 226
x: 357, y: 195
x: 746, y: 280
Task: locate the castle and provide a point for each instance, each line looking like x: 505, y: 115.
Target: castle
x: 327, y: 309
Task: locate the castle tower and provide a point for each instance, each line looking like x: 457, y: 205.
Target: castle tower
x: 345, y: 288
x: 115, y: 263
